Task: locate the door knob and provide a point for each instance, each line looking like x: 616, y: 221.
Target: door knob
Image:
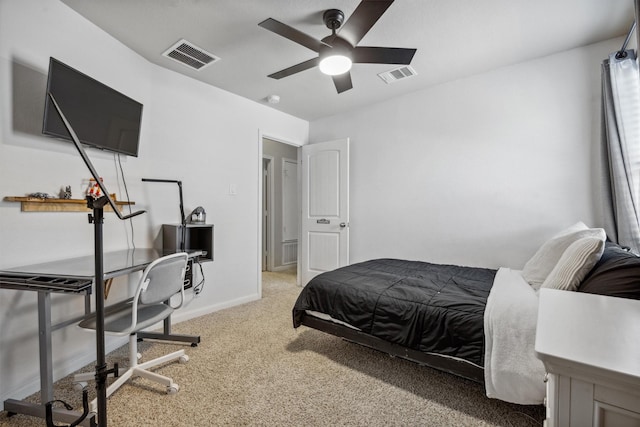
x: 343, y: 224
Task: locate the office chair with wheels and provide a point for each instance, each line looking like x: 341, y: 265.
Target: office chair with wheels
x: 161, y: 280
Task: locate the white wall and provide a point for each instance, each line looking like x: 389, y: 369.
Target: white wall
x: 206, y: 137
x: 478, y: 171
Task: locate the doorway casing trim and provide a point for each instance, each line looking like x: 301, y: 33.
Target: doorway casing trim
x: 270, y: 231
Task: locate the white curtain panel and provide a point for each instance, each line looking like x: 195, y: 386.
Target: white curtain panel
x: 621, y: 144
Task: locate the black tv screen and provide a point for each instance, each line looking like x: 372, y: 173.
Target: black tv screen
x: 101, y: 116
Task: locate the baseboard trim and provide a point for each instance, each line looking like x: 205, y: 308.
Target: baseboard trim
x: 179, y: 316
x: 286, y: 267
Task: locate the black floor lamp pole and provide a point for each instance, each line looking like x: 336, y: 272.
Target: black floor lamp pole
x: 183, y: 219
x: 101, y: 364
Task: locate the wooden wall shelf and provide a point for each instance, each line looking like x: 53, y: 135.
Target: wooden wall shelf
x: 31, y: 204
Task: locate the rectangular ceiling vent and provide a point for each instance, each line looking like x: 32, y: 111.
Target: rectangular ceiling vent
x: 397, y: 74
x: 190, y: 55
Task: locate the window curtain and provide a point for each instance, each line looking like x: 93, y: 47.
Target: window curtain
x: 621, y: 149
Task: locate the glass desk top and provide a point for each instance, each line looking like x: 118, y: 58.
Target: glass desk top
x: 115, y: 263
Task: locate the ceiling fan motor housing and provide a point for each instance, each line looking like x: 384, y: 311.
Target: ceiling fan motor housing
x: 336, y: 46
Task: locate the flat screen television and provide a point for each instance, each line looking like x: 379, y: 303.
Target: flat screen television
x: 101, y: 116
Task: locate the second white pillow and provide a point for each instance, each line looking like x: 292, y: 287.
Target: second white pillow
x: 575, y: 263
x: 537, y: 269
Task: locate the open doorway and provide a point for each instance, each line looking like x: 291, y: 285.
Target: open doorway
x: 280, y: 206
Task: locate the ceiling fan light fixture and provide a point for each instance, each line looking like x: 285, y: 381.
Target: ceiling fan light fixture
x: 337, y: 51
x: 334, y: 65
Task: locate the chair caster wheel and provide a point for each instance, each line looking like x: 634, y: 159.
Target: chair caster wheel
x: 138, y: 356
x: 173, y: 389
x: 80, y: 386
x: 183, y: 359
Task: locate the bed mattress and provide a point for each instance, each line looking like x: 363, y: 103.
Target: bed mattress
x: 432, y: 308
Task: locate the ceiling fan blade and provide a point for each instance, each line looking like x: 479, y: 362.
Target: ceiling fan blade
x: 362, y: 19
x: 342, y: 82
x: 382, y: 55
x: 292, y: 34
x: 295, y: 68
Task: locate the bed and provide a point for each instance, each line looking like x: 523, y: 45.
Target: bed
x: 473, y: 322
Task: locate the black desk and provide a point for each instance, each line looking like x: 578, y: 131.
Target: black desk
x: 74, y: 276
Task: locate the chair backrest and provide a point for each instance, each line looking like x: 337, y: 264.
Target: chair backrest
x: 163, y: 278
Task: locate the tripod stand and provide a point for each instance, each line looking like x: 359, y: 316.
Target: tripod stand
x: 96, y: 218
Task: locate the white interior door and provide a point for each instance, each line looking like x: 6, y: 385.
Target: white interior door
x: 325, y: 208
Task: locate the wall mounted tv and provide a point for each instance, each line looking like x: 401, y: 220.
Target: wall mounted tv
x: 101, y: 116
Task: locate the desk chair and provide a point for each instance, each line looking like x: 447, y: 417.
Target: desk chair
x: 161, y: 280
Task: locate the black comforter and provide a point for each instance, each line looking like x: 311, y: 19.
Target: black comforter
x: 426, y: 307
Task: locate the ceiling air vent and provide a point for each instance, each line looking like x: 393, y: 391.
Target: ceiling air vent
x: 397, y: 74
x: 190, y: 55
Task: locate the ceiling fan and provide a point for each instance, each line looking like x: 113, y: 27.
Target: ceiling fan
x: 339, y: 50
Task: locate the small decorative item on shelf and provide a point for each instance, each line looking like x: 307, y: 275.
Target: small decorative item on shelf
x: 66, y: 193
x: 39, y: 195
x: 198, y: 216
x: 94, y: 189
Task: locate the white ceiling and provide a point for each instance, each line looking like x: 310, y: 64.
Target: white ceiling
x: 454, y: 38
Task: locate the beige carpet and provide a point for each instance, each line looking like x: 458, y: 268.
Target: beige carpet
x: 253, y: 369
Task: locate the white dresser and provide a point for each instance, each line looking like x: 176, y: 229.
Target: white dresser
x: 590, y: 346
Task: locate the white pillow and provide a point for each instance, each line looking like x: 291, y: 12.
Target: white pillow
x: 574, y: 264
x: 537, y: 269
x: 572, y: 229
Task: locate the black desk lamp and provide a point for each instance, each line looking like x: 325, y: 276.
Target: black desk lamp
x: 97, y: 219
x: 183, y: 220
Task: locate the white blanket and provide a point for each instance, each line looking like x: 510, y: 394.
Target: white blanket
x: 512, y: 372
